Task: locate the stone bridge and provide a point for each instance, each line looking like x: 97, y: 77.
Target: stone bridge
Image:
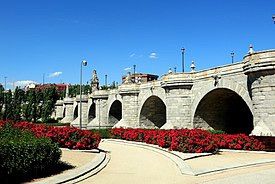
x: 236, y: 98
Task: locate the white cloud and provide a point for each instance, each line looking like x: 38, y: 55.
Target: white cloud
x: 132, y: 55
x: 153, y: 55
x: 129, y: 68
x: 55, y: 74
x: 24, y: 83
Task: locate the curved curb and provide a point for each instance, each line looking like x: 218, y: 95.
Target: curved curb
x: 247, y: 151
x: 81, y: 173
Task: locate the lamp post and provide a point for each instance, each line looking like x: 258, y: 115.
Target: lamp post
x: 232, y: 56
x: 273, y: 18
x: 182, y: 54
x: 106, y: 80
x: 134, y: 73
x: 83, y: 63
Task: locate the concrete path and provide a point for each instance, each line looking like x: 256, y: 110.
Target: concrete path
x: 132, y: 165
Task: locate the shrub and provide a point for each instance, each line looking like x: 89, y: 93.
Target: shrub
x: 22, y: 154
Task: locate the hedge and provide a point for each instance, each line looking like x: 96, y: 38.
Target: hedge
x: 23, y: 155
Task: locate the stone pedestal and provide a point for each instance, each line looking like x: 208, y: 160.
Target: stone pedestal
x: 84, y: 122
x: 101, y: 110
x: 69, y: 114
x: 178, y: 100
x: 260, y: 69
x: 129, y: 94
x: 59, y: 109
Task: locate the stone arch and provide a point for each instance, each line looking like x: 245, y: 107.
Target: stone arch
x: 224, y: 83
x: 152, y: 113
x: 91, y: 112
x: 223, y: 109
x: 115, y: 112
x: 75, y: 112
x: 64, y: 112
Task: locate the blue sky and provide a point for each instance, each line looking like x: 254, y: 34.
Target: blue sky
x: 53, y: 36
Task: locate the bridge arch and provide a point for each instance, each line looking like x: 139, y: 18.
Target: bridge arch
x: 223, y: 108
x: 91, y: 112
x: 64, y: 112
x: 75, y: 112
x: 153, y: 112
x: 115, y: 112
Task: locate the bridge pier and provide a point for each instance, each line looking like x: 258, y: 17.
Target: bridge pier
x: 76, y: 122
x: 100, y: 99
x: 129, y: 94
x: 178, y: 100
x: 69, y: 111
x: 59, y: 109
x: 260, y: 69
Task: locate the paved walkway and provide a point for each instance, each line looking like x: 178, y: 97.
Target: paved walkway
x: 130, y: 164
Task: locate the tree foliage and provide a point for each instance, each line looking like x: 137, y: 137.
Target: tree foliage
x: 30, y: 105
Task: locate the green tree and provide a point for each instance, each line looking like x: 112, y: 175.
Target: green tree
x: 18, y: 99
x: 8, y: 111
x: 30, y: 106
x: 50, y: 96
x: 75, y: 89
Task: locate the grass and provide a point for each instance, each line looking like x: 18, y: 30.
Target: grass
x: 104, y: 133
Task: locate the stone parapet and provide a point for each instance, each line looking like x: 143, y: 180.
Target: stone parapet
x: 259, y: 61
x: 59, y: 103
x: 101, y: 94
x: 125, y: 89
x: 68, y: 100
x: 84, y: 98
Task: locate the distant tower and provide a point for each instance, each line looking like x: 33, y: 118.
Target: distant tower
x: 94, y: 81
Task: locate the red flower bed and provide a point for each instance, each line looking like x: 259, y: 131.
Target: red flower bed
x: 191, y: 141
x: 238, y: 142
x: 66, y: 137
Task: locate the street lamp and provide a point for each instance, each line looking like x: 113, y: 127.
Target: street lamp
x: 134, y: 73
x: 182, y: 54
x: 106, y: 83
x: 83, y: 63
x: 273, y: 18
x: 232, y: 56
